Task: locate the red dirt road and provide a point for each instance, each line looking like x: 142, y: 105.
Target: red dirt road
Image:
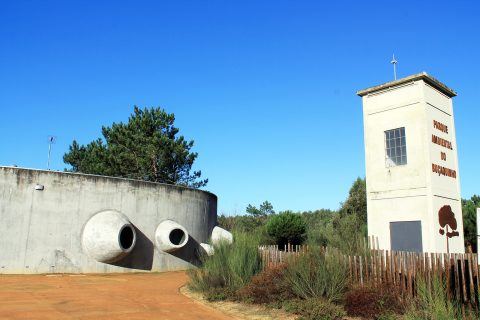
x: 118, y: 296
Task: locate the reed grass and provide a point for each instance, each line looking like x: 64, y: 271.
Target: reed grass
x: 318, y: 274
x: 231, y: 266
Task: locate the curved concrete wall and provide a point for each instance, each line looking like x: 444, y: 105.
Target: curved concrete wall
x: 41, y: 230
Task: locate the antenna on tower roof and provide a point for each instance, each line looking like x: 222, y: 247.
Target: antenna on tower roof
x: 394, y: 62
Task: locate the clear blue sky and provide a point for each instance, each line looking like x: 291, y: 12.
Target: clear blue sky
x: 265, y: 88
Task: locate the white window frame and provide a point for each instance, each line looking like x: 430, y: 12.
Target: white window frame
x: 395, y: 146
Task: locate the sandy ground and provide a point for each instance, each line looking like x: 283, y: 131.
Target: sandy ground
x: 118, y: 296
x: 240, y: 311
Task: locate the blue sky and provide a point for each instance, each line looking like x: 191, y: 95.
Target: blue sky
x: 265, y: 88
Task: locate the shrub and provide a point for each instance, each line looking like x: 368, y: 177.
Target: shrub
x: 286, y: 227
x: 317, y: 274
x: 317, y: 226
x: 219, y: 293
x: 374, y: 302
x: 346, y: 234
x: 269, y: 286
x: 432, y: 303
x: 230, y: 268
x: 315, y: 309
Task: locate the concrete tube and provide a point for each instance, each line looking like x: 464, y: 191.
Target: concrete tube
x: 220, y: 234
x: 209, y: 250
x: 108, y: 236
x: 170, y: 236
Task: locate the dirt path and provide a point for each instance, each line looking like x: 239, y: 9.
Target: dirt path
x: 119, y: 296
x: 242, y: 311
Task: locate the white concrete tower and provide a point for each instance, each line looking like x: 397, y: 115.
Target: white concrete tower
x: 413, y: 184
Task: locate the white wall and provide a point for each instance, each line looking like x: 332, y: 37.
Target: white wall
x: 40, y: 231
x: 444, y: 190
x: 410, y: 192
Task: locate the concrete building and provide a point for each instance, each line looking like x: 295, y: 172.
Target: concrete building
x: 413, y: 183
x: 76, y: 223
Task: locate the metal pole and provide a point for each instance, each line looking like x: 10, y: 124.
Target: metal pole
x: 48, y: 161
x: 50, y: 141
x: 446, y: 236
x: 394, y: 62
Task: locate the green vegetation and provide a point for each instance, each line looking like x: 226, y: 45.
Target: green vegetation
x: 432, y: 304
x: 318, y: 274
x: 345, y: 228
x: 265, y: 209
x: 253, y: 221
x: 145, y: 148
x: 345, y: 233
x: 469, y: 210
x: 315, y: 309
x: 316, y: 284
x: 229, y: 269
x: 286, y: 228
x: 318, y: 223
x: 356, y: 203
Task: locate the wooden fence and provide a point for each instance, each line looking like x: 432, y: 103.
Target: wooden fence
x: 401, y: 269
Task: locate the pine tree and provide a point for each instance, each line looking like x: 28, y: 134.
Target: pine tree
x: 147, y: 147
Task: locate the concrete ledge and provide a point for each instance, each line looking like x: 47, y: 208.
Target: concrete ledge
x: 419, y: 76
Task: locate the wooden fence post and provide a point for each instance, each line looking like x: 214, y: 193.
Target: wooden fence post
x: 361, y: 271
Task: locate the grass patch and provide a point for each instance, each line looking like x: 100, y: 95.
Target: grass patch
x: 315, y: 309
x: 432, y: 303
x: 318, y: 274
x: 229, y: 269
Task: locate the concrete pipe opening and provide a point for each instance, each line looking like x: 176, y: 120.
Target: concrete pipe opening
x: 126, y: 237
x: 170, y: 236
x: 177, y: 236
x: 108, y: 236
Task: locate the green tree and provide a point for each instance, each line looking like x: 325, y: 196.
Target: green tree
x: 469, y: 212
x: 286, y: 227
x: 147, y: 147
x: 266, y: 208
x: 356, y: 202
x: 346, y: 233
x: 318, y: 223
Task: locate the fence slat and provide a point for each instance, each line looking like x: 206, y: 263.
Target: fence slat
x: 462, y: 267
x: 361, y: 271
x: 468, y: 271
x: 457, y: 279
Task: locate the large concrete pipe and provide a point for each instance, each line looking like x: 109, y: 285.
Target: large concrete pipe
x: 108, y: 236
x: 170, y: 236
x: 220, y: 234
x: 209, y: 249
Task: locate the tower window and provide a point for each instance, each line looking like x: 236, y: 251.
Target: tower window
x: 395, y: 147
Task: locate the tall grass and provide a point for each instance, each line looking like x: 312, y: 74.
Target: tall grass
x: 231, y: 267
x: 432, y: 303
x: 318, y: 274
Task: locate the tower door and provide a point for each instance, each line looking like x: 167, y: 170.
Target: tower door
x: 406, y: 236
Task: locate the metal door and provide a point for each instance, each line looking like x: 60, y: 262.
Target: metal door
x: 406, y: 236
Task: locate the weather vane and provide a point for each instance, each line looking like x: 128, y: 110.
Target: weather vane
x: 394, y: 62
